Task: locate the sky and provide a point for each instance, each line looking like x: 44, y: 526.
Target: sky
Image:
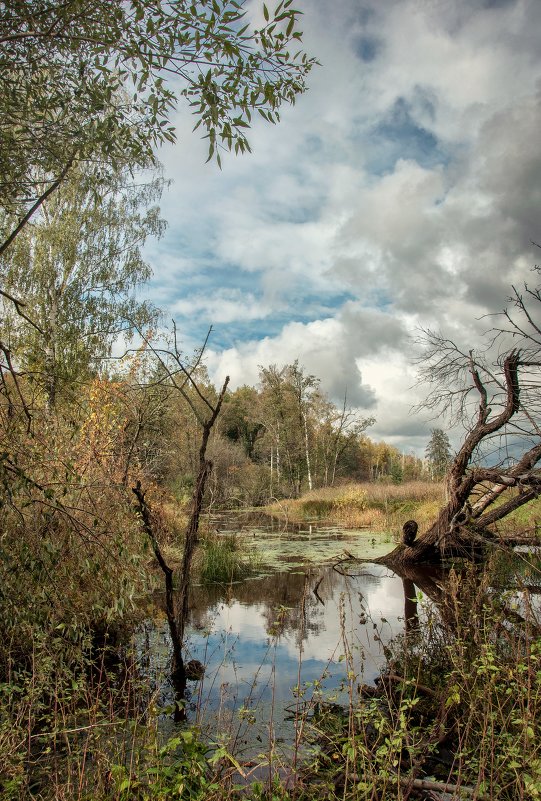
x: 401, y: 192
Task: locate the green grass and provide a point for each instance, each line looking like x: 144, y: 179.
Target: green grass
x: 222, y: 561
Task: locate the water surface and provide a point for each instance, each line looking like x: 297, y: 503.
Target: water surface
x: 311, y: 623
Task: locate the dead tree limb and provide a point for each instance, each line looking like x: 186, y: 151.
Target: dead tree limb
x: 172, y: 364
x: 145, y: 513
x: 192, y: 538
x: 463, y: 524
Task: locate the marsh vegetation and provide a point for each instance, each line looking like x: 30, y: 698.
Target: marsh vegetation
x: 326, y: 675
x: 149, y: 648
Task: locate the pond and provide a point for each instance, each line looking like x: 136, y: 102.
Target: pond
x: 310, y: 625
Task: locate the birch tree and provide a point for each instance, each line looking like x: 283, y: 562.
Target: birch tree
x: 77, y: 266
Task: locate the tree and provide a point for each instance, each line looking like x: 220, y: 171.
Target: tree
x: 414, y: 468
x: 77, y: 267
x: 336, y: 435
x: 438, y: 453
x: 181, y: 379
x: 97, y: 82
x: 241, y: 419
x: 304, y: 389
x: 287, y: 396
x: 376, y: 459
x: 496, y: 395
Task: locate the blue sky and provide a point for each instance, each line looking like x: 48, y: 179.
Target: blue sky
x: 401, y: 191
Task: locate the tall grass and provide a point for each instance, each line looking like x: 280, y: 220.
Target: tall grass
x: 367, y: 505
x: 222, y: 561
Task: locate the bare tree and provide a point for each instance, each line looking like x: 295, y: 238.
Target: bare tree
x: 181, y: 378
x: 496, y: 396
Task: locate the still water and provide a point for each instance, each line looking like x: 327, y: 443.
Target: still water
x: 311, y: 623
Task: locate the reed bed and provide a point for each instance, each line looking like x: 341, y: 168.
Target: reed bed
x: 378, y: 506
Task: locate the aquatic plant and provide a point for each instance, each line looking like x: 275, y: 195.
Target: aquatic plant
x: 222, y: 560
x: 456, y: 712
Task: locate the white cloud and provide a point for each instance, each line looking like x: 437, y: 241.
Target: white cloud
x: 333, y: 349
x: 402, y: 190
x: 223, y: 306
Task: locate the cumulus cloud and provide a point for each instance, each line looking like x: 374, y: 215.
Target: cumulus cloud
x: 333, y: 349
x: 402, y: 190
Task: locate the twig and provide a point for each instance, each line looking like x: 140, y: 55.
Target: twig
x: 41, y: 199
x: 7, y: 353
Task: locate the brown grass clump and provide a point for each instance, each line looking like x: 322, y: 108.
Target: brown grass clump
x: 365, y: 518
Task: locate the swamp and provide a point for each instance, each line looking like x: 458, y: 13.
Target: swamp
x: 278, y: 537
x: 319, y: 673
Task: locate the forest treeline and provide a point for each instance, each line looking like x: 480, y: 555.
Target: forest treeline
x: 284, y: 436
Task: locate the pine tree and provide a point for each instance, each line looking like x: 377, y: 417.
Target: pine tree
x: 438, y: 453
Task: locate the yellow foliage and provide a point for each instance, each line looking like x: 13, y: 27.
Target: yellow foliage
x: 101, y: 436
x: 352, y: 497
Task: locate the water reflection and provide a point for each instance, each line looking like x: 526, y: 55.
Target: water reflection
x: 314, y: 619
x: 264, y: 637
x: 359, y: 612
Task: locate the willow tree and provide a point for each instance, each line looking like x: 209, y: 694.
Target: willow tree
x: 496, y: 395
x: 96, y: 81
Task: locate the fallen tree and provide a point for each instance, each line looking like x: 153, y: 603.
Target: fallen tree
x: 495, y: 470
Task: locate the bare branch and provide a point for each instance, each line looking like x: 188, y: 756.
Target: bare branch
x: 41, y: 199
x: 7, y: 354
x: 19, y: 304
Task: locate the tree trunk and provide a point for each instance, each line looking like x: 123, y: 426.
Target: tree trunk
x: 178, y: 674
x: 50, y: 365
x: 463, y: 526
x: 177, y: 613
x: 192, y: 532
x: 307, y: 450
